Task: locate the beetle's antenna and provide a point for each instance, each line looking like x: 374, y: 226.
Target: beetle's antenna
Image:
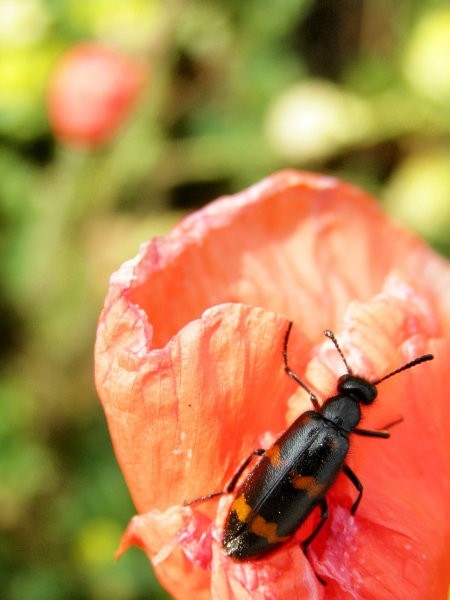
x: 332, y: 337
x: 290, y: 372
x: 413, y: 363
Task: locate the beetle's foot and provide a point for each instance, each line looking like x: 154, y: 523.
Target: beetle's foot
x: 305, y: 552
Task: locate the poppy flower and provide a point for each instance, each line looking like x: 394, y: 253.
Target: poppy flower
x: 92, y: 90
x: 190, y: 372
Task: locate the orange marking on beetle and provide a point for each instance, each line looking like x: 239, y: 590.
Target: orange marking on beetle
x: 267, y: 530
x: 241, y: 508
x: 309, y: 484
x: 274, y: 455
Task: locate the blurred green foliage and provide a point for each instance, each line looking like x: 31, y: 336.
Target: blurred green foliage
x: 237, y: 90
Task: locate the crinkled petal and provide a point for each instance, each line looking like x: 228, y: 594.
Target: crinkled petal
x: 190, y: 372
x: 171, y: 410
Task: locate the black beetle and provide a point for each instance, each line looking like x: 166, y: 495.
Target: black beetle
x: 293, y: 476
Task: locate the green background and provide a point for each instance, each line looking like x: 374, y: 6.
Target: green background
x: 359, y: 89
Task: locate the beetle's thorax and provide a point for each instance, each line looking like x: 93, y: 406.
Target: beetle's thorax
x: 342, y: 410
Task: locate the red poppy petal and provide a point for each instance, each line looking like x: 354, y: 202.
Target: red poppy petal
x: 158, y: 533
x: 189, y: 394
x: 168, y: 408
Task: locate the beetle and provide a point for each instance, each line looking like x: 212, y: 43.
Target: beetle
x: 293, y: 476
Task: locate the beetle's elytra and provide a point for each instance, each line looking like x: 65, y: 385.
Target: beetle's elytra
x: 293, y: 476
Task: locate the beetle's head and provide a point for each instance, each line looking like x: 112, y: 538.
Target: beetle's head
x: 358, y: 388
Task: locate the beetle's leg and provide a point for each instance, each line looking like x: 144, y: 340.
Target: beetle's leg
x: 358, y: 485
x: 203, y: 498
x: 320, y: 524
x: 370, y: 433
x: 382, y: 433
x: 324, y: 516
x: 290, y: 372
x: 230, y: 487
x: 350, y: 474
x: 392, y: 423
